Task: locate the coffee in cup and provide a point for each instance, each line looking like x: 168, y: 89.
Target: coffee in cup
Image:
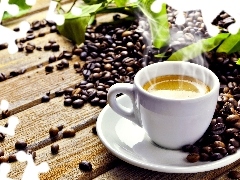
x: 176, y: 87
x: 170, y: 121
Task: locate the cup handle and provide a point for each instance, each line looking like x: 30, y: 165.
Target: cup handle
x: 129, y: 113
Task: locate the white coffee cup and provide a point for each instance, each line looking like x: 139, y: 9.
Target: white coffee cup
x: 170, y: 123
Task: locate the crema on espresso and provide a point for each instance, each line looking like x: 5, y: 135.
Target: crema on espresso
x: 176, y: 87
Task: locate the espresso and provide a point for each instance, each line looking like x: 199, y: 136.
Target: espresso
x: 176, y: 87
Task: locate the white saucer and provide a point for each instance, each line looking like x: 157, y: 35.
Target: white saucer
x: 130, y: 143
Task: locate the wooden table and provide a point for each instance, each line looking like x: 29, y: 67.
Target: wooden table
x: 24, y: 93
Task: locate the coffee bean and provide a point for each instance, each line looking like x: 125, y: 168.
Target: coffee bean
x: 193, y: 157
x: 234, y: 174
x: 12, y: 158
x: 69, y: 133
x: 29, y: 48
x: 47, y: 47
x: 39, y: 48
x: 2, y: 136
x: 20, y: 145
x: 6, y: 113
x: 65, y: 63
x: 45, y: 98
x: 41, y: 34
x: 53, y: 29
x: 16, y: 29
x: 52, y: 59
x: 60, y: 127
x: 1, y: 152
x: 3, y: 159
x: 78, y: 103
x: 216, y: 156
x: 55, y: 47
x: 53, y: 131
x: 218, y: 128
x: 60, y: 66
x: 67, y: 55
x: 54, y: 148
x: 59, y: 93
x: 76, y: 65
x: 68, y: 102
x: 49, y: 68
x: 30, y: 37
x: 85, y: 166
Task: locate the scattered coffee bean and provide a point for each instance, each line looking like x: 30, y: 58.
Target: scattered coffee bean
x: 6, y: 113
x: 45, y: 98
x: 76, y: 65
x: 59, y: 93
x: 1, y: 152
x: 85, y: 166
x: 68, y: 102
x: 52, y: 58
x: 65, y: 63
x: 60, y: 127
x: 69, y: 133
x: 3, y: 159
x: 49, y: 68
x: 2, y: 136
x: 54, y: 148
x: 20, y: 145
x: 47, y: 47
x: 53, y: 131
x: 94, y: 130
x: 55, y: 47
x: 12, y: 158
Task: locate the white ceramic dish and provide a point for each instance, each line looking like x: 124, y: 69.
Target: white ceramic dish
x: 130, y: 143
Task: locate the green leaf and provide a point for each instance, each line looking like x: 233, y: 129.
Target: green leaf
x: 121, y: 3
x: 158, y: 23
x: 196, y: 49
x: 92, y: 2
x: 74, y: 28
x: 231, y: 44
x: 238, y: 61
x: 23, y: 8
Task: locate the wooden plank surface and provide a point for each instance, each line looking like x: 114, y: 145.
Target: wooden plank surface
x: 24, y: 93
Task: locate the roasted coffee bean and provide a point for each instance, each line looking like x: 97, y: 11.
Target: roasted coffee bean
x: 60, y: 127
x: 85, y: 166
x: 39, y: 48
x: 53, y: 131
x: 78, y: 103
x: 116, y: 17
x: 1, y: 152
x: 231, y: 150
x: 41, y: 34
x: 3, y: 46
x: 47, y: 47
x: 12, y: 158
x: 20, y: 145
x: 67, y: 55
x: 45, y: 98
x: 2, y: 136
x: 102, y: 102
x: 69, y: 133
x: 29, y: 48
x: 30, y: 37
x: 193, y: 157
x: 54, y: 148
x: 218, y: 128
x: 234, y: 142
x: 53, y: 29
x: 20, y: 47
x: 55, y: 47
x: 59, y: 93
x: 216, y: 156
x: 65, y: 63
x: 6, y: 113
x: 76, y: 65
x: 60, y: 66
x: 204, y: 157
x: 234, y: 174
x: 16, y: 29
x: 3, y: 159
x: 233, y: 118
x: 94, y: 130
x: 68, y: 102
x: 52, y: 59
x: 68, y: 91
x: 2, y: 77
x: 49, y: 68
